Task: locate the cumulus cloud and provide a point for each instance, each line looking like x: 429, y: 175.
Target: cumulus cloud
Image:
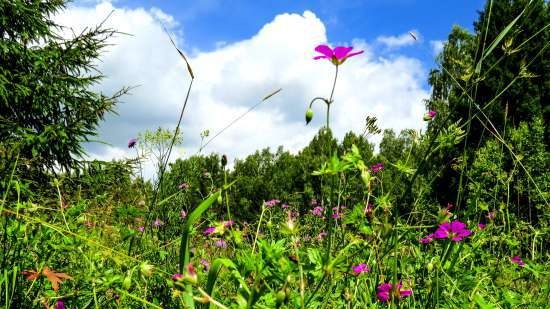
x: 236, y: 76
x: 406, y: 39
x: 437, y: 46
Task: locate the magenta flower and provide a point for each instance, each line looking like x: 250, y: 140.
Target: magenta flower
x: 228, y: 223
x: 176, y: 277
x: 317, y: 211
x: 158, y: 223
x: 385, y: 289
x: 220, y: 243
x: 337, y: 55
x: 426, y: 240
x: 455, y: 230
x: 321, y: 235
x: 517, y: 260
x: 377, y: 168
x: 481, y: 226
x: 337, y: 214
x: 429, y: 115
x: 272, y: 202
x: 141, y: 228
x: 60, y: 305
x: 360, y: 269
x: 183, y: 185
x: 209, y: 230
x: 132, y: 142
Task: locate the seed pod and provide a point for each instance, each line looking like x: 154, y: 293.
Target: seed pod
x: 309, y: 115
x: 224, y: 160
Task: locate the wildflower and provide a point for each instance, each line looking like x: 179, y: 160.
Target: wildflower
x: 176, y: 277
x: 158, y: 223
x: 359, y: 269
x: 60, y: 305
x: 385, y: 289
x: 491, y: 215
x: 228, y: 223
x: 337, y: 55
x: 454, y: 230
x: 317, y: 211
x: 368, y: 209
x: 429, y: 115
x: 141, y: 228
x: 220, y: 243
x: 481, y: 226
x: 183, y: 214
x: 205, y: 264
x: 209, y: 230
x: 132, y: 142
x: 426, y: 240
x: 272, y: 202
x: 314, y: 202
x: 285, y: 206
x: 321, y: 235
x: 183, y: 185
x: 337, y: 214
x: 517, y: 260
x: 190, y: 275
x: 377, y: 168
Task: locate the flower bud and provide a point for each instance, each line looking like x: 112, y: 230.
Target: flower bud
x: 429, y: 115
x: 309, y: 115
x: 220, y: 199
x: 224, y: 160
x: 127, y: 282
x: 146, y: 269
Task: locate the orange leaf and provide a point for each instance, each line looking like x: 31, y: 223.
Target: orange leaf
x: 31, y: 274
x: 55, y: 278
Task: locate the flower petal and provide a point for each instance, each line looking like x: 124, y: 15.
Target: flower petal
x: 355, y: 53
x: 325, y: 50
x: 341, y: 52
x: 405, y: 293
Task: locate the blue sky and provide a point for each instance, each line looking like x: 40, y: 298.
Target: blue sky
x: 206, y: 23
x: 242, y: 50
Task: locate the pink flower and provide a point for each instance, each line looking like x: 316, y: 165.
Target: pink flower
x: 220, y: 243
x: 209, y: 230
x: 377, y: 168
x: 314, y: 202
x: 141, y: 228
x: 517, y: 260
x: 158, y: 223
x: 491, y: 215
x: 183, y: 185
x: 426, y: 240
x: 429, y: 115
x: 272, y: 202
x: 337, y: 55
x: 360, y: 269
x: 481, y: 226
x: 455, y: 230
x: 285, y: 206
x: 205, y: 264
x: 176, y: 277
x: 317, y: 211
x: 228, y: 223
x: 183, y: 214
x: 321, y: 235
x: 385, y: 289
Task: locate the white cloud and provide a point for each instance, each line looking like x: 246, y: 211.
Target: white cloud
x: 437, y: 46
x: 394, y: 42
x: 237, y: 75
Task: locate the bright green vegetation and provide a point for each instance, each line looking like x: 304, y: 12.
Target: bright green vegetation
x: 453, y: 217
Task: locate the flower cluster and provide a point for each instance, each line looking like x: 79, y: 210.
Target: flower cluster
x: 317, y: 211
x: 517, y: 260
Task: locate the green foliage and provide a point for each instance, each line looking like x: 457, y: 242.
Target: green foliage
x: 47, y: 108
